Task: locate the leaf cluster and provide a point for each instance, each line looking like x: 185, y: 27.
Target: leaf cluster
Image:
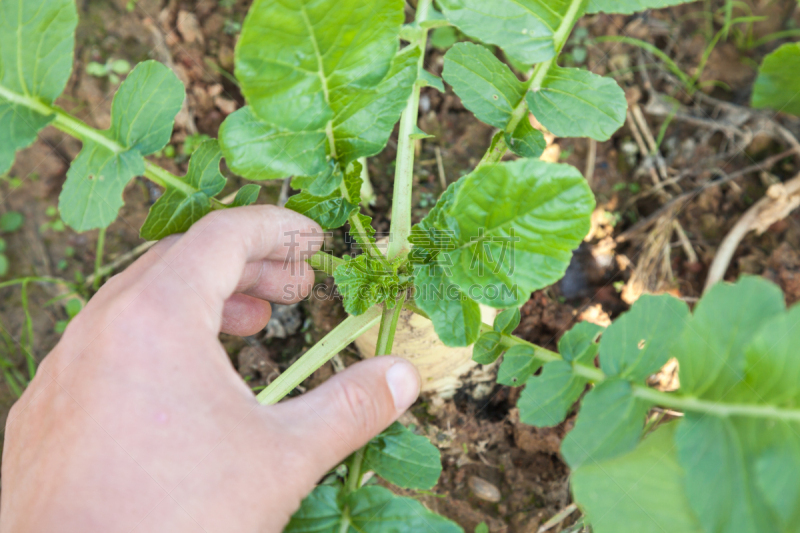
x: 731, y: 463
x: 401, y: 458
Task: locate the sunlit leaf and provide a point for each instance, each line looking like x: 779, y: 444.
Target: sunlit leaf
x: 37, y: 41
x: 524, y: 29
x: 518, y: 365
x: 456, y: 318
x: 404, y: 459
x: 142, y: 116
x: 486, y: 86
x: 177, y: 209
x: 777, y: 85
x: 641, y: 491
x: 508, y: 229
x: 638, y: 343
x: 610, y: 423
x: 574, y: 102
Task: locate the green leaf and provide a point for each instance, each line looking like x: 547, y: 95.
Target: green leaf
x: 638, y: 343
x: 364, y: 282
x: 331, y: 211
x: 524, y: 29
x: 315, y: 73
x: 364, y: 119
x: 419, y: 134
x: 326, y: 183
x: 177, y: 209
x: 509, y: 228
x: 294, y: 59
x: 370, y: 509
x: 482, y: 528
x: 720, y: 479
x: 404, y: 459
x: 579, y: 344
x: 144, y: 108
x: 435, y: 19
x: 547, y: 398
x: 777, y: 474
x: 526, y: 141
x: 488, y: 348
x: 772, y: 367
x: 92, y: 195
x: 427, y: 237
x: 456, y: 318
x: 444, y: 37
x: 261, y: 151
x: 142, y: 116
x: 11, y: 221
x: 507, y: 321
x: 19, y: 127
x: 574, y: 102
x: 431, y: 80
x: 626, y: 7
x: 486, y: 86
x: 518, y: 365
x: 711, y: 350
x: 37, y: 42
x: 640, y: 492
x: 320, y: 512
x: 247, y: 195
x: 610, y: 423
x: 777, y: 85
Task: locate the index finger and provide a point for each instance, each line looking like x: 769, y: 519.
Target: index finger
x: 202, y: 269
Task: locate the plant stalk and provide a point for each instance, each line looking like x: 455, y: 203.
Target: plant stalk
x: 354, y: 471
x: 664, y: 399
x: 335, y: 341
x: 389, y: 319
x: 400, y: 229
x: 500, y: 147
x: 80, y: 130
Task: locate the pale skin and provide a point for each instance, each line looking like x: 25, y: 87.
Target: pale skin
x: 138, y: 422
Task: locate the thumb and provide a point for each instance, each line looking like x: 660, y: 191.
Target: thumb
x: 343, y: 414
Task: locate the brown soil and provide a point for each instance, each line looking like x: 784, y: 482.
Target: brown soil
x: 484, y: 447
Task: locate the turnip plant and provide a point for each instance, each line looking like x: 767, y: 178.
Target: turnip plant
x: 326, y: 81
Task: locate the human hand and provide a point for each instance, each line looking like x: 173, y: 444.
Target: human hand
x: 136, y: 421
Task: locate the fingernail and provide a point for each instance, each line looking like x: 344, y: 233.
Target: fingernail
x: 403, y: 381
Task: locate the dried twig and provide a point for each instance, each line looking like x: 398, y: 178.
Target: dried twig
x: 678, y: 201
x: 440, y: 167
x: 780, y: 200
x: 591, y: 159
x: 558, y: 518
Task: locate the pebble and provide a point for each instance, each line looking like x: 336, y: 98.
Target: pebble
x: 484, y: 490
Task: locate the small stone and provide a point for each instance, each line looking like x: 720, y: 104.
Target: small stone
x: 189, y: 28
x: 225, y: 105
x: 484, y: 490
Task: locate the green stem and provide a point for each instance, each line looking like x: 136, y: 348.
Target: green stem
x: 98, y: 259
x: 354, y: 471
x: 400, y: 229
x: 77, y: 128
x: 357, y: 229
x: 389, y: 319
x: 319, y: 354
x: 325, y: 262
x: 499, y: 146
x: 664, y: 399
